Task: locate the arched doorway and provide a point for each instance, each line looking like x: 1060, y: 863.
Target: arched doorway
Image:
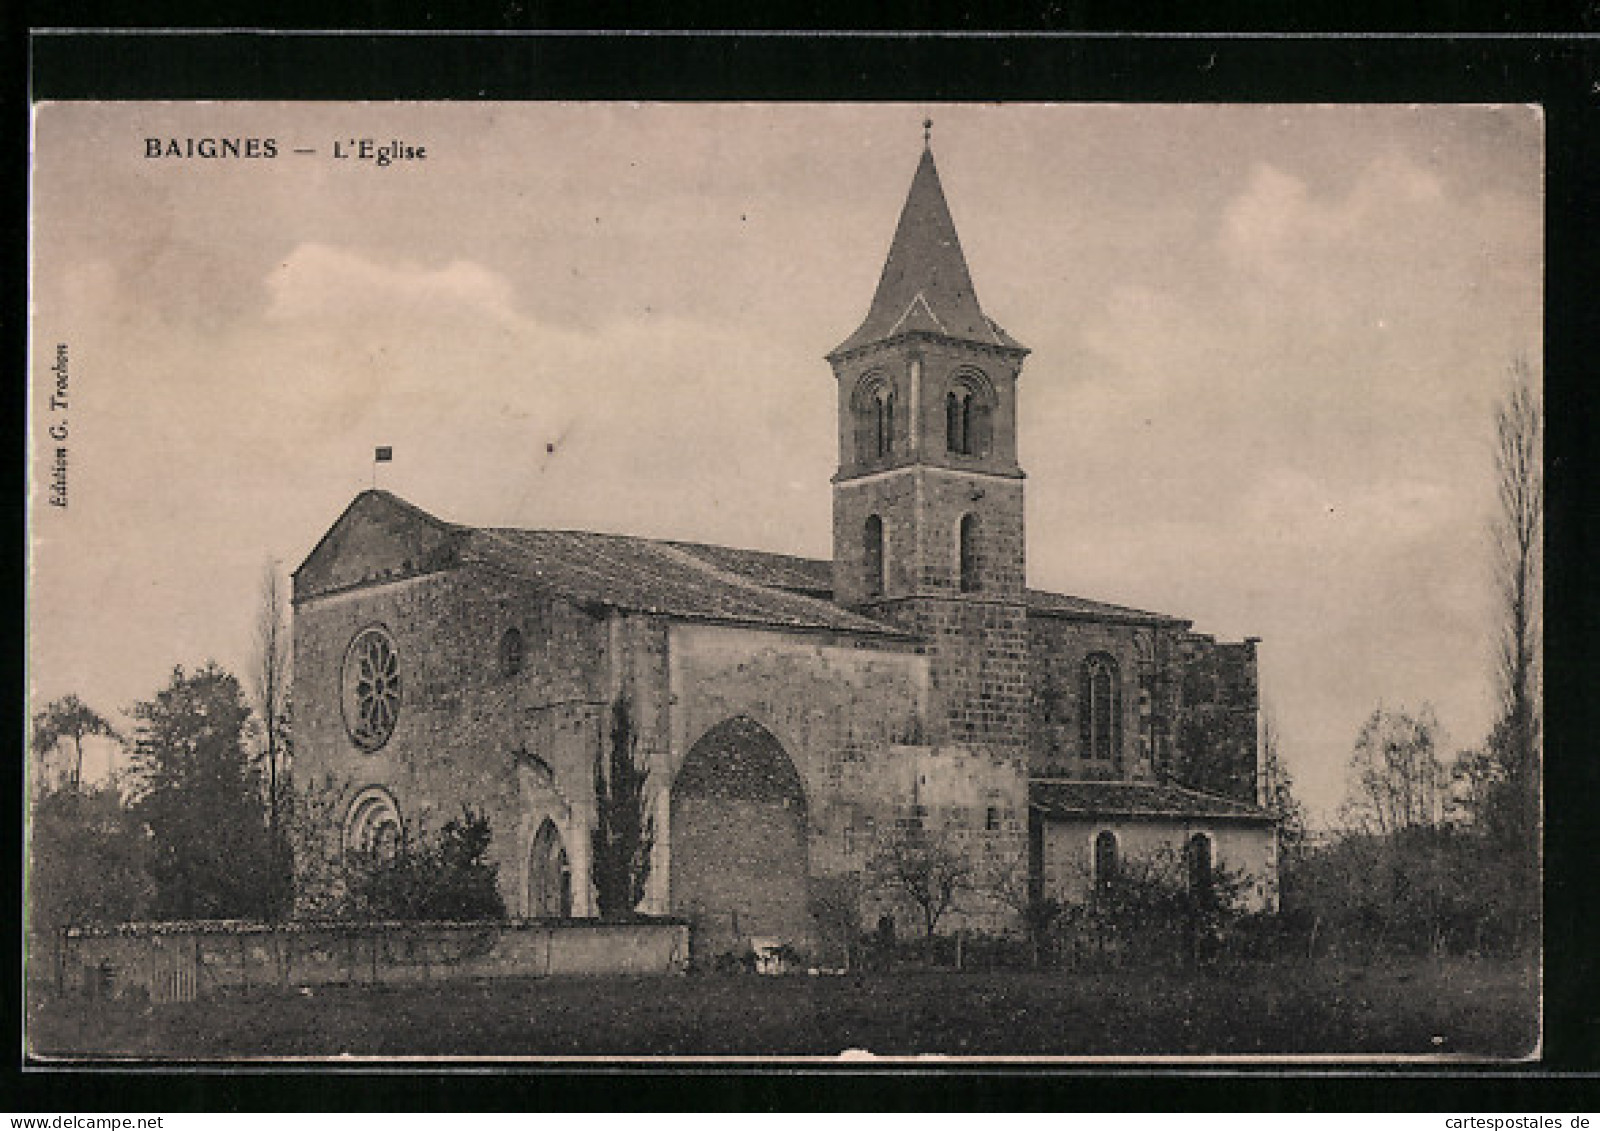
x: 549, y: 875
x: 739, y: 853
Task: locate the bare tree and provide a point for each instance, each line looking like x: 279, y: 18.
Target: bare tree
x: 1277, y: 788
x: 923, y: 866
x: 1012, y: 883
x: 1518, y: 534
x: 1397, y: 780
x: 69, y: 718
x: 271, y: 680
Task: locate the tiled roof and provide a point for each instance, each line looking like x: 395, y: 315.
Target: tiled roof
x: 656, y: 577
x: 925, y: 284
x: 1059, y: 604
x: 1136, y: 799
x: 781, y: 571
x: 698, y: 580
x: 815, y: 576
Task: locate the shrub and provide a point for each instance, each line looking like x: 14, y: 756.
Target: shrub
x: 1150, y: 911
x: 86, y: 860
x: 447, y: 878
x: 1424, y: 890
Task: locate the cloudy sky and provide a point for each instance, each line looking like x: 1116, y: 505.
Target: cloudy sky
x: 1268, y: 342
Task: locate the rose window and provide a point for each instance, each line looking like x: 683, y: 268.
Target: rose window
x: 371, y: 689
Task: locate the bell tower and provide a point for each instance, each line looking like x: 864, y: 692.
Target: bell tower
x: 927, y: 501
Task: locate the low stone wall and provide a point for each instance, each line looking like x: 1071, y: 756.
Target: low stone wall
x: 183, y: 961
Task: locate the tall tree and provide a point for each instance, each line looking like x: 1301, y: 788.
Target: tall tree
x: 201, y: 798
x: 271, y: 678
x: 624, y: 831
x: 65, y: 719
x: 1277, y: 789
x: 1518, y: 533
x: 1397, y: 780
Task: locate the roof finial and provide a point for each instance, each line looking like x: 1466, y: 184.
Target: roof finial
x: 927, y: 133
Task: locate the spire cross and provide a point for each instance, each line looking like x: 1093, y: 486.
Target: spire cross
x: 927, y: 132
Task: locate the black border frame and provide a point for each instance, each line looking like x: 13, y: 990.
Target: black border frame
x: 1560, y: 71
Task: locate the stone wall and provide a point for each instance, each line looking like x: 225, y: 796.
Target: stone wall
x: 1216, y: 738
x: 1059, y: 647
x: 968, y: 802
x: 829, y: 704
x: 921, y: 509
x: 1248, y: 847
x: 980, y: 669
x: 180, y: 962
x: 519, y: 746
x: 851, y: 720
x: 834, y: 708
x: 740, y: 872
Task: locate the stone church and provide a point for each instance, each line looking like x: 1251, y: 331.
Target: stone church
x: 793, y: 713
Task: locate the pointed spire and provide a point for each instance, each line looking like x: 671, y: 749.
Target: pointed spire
x: 925, y: 283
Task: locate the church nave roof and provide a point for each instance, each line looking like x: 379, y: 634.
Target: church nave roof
x: 1059, y: 798
x: 653, y: 576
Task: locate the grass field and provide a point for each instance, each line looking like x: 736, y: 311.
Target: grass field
x: 1478, y: 1009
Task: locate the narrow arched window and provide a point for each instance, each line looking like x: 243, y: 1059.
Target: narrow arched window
x: 956, y: 412
x: 866, y: 426
x: 1105, y: 859
x: 1197, y: 855
x: 1100, y: 708
x: 872, y: 555
x: 969, y: 406
x: 512, y: 652
x: 979, y: 428
x: 968, y: 553
x: 872, y: 407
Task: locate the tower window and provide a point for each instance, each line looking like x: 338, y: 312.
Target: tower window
x: 886, y: 423
x: 957, y: 416
x: 876, y: 410
x: 872, y: 555
x: 967, y: 411
x: 1100, y: 708
x: 968, y: 553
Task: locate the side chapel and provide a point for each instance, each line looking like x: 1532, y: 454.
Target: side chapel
x: 792, y: 712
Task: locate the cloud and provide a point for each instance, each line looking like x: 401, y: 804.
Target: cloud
x: 1276, y: 224
x: 317, y: 282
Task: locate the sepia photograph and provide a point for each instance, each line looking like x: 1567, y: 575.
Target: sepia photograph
x: 577, y: 581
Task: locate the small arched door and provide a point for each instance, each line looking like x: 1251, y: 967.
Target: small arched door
x: 549, y: 875
x: 739, y: 849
